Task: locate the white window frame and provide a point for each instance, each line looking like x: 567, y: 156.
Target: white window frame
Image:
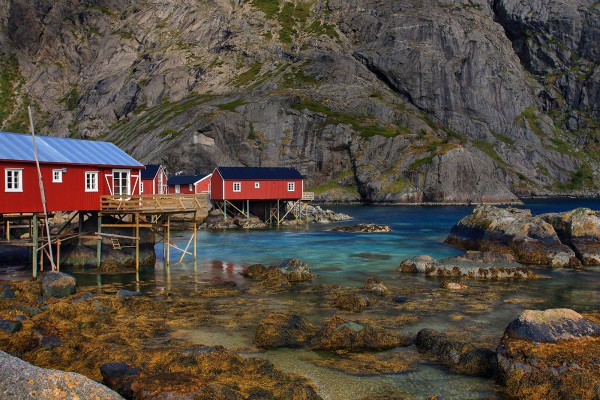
x: 57, y: 175
x: 127, y: 186
x: 291, y: 186
x: 237, y: 187
x: 94, y: 182
x: 177, y: 189
x: 256, y: 185
x: 16, y: 179
x: 141, y: 187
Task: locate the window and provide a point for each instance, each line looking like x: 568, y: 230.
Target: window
x: 141, y: 187
x: 57, y: 175
x: 91, y: 181
x: 237, y: 186
x: 13, y: 180
x: 291, y: 186
x: 177, y: 189
x: 256, y: 185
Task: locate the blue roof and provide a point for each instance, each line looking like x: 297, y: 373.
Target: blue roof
x: 185, y: 179
x: 19, y: 147
x: 150, y: 171
x: 258, y: 173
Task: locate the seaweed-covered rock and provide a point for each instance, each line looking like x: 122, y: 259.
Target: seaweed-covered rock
x: 453, y: 285
x: 341, y: 334
x: 10, y: 326
x: 353, y: 302
x: 295, y: 270
x: 365, y: 228
x: 57, y: 284
x: 119, y: 377
x: 7, y: 292
x: 20, y: 380
x: 550, y: 354
x: 283, y: 330
x: 528, y: 238
x: 376, y: 286
x: 458, y: 355
x: 128, y: 293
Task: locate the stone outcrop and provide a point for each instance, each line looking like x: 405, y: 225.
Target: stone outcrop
x: 342, y: 334
x: 376, y: 287
x: 480, y: 112
x: 295, y: 270
x: 365, y: 228
x: 283, y: 330
x: 57, y: 284
x: 580, y: 229
x: 550, y: 354
x: 20, y: 380
x: 528, y: 238
x: 471, y: 265
x: 352, y: 302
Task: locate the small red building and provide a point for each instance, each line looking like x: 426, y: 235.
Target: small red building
x: 75, y: 173
x: 189, y: 184
x: 154, y: 180
x: 257, y: 183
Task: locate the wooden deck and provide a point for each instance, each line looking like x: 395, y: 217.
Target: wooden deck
x: 152, y: 204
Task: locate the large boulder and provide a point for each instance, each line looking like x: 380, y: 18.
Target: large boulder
x: 416, y: 264
x: 551, y: 354
x: 295, y: 270
x: 20, y: 380
x: 580, y: 229
x: 460, y: 356
x: 283, y: 330
x: 530, y: 239
x: 341, y: 334
x: 57, y: 284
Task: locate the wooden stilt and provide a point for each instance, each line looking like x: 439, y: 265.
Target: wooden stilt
x: 248, y: 208
x: 80, y: 227
x: 7, y: 230
x: 137, y: 243
x: 99, y: 244
x: 277, y: 212
x: 225, y: 209
x: 195, y: 241
x: 168, y: 243
x: 34, y: 253
x: 58, y: 254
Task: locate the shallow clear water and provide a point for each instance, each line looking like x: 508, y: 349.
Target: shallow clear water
x: 347, y: 259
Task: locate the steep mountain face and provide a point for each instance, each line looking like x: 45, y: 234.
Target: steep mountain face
x: 449, y: 101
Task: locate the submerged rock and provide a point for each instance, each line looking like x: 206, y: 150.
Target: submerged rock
x: 459, y: 356
x: 7, y: 292
x: 529, y: 239
x: 10, y: 326
x: 453, y: 285
x: 283, y: 330
x: 119, y: 377
x: 20, y: 380
x: 341, y: 334
x: 550, y: 354
x: 57, y: 284
x: 128, y: 293
x: 295, y: 270
x: 376, y: 286
x: 352, y: 302
x: 367, y: 228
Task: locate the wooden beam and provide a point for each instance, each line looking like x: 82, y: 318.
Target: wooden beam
x: 99, y: 243
x: 128, y: 225
x: 137, y: 245
x: 116, y: 236
x: 34, y: 237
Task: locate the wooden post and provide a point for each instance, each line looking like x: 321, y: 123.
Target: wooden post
x: 137, y: 244
x: 277, y: 212
x: 248, y: 209
x: 225, y: 210
x: 99, y: 243
x: 80, y: 227
x: 195, y: 241
x: 7, y: 230
x: 58, y: 255
x: 168, y: 242
x: 34, y: 238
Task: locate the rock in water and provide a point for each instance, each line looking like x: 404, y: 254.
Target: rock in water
x: 550, y: 354
x: 57, y: 284
x: 10, y: 326
x: 529, y: 239
x: 341, y: 334
x: 20, y: 380
x: 295, y: 270
x: 416, y: 264
x: 551, y: 325
x: 352, y: 302
x: 453, y: 285
x: 281, y: 330
x: 376, y: 286
x: 128, y: 293
x: 367, y: 228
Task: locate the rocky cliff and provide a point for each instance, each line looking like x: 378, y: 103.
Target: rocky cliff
x: 455, y: 101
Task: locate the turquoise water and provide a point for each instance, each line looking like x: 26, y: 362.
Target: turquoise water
x: 348, y: 259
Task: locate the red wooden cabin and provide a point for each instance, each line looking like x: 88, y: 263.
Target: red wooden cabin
x: 256, y: 183
x: 75, y: 173
x: 154, y: 180
x: 189, y: 184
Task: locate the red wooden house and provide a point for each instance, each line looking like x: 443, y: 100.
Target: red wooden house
x: 256, y: 189
x: 189, y: 184
x: 154, y: 180
x: 75, y: 173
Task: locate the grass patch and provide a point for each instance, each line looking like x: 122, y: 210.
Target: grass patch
x: 269, y: 7
x: 488, y: 149
x: 581, y: 178
x: 11, y: 81
x: 232, y: 105
x: 530, y: 116
x: 323, y: 28
x: 420, y: 162
x: 249, y: 75
x: 71, y: 98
